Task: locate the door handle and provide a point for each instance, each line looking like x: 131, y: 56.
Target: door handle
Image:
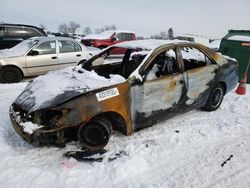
x: 54, y: 57
x: 78, y: 55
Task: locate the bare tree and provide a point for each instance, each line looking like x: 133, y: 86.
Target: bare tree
x: 105, y: 28
x: 140, y: 37
x: 73, y: 26
x: 87, y: 31
x: 161, y: 35
x: 63, y: 28
x: 109, y: 27
x: 43, y: 26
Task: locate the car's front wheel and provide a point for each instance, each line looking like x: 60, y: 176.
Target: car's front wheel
x: 95, y: 134
x: 215, y: 98
x: 10, y: 75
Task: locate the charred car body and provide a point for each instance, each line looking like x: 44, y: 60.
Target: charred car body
x: 153, y: 81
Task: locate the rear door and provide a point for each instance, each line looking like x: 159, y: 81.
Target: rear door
x: 46, y: 60
x: 199, y: 71
x: 70, y: 53
x: 160, y: 96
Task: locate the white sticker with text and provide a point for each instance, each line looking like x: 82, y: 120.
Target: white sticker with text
x: 107, y: 94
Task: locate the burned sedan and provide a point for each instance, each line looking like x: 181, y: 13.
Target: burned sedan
x: 154, y: 80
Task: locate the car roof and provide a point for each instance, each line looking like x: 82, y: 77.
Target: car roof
x: 19, y: 25
x: 148, y: 44
x: 44, y: 38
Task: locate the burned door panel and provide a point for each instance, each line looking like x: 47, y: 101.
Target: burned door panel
x: 161, y: 91
x: 198, y: 81
x: 200, y: 73
x: 154, y: 97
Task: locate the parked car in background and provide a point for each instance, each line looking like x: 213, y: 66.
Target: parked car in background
x: 108, y: 38
x: 38, y: 55
x: 155, y: 80
x: 194, y: 38
x: 12, y: 34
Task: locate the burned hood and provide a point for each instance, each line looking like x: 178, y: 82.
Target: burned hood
x: 56, y: 87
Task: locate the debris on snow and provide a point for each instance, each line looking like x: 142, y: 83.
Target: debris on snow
x: 226, y: 160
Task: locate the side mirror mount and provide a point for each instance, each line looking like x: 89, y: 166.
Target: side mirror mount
x: 33, y: 53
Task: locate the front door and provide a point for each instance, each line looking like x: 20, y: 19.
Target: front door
x: 160, y: 95
x: 45, y: 61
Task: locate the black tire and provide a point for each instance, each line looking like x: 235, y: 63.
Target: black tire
x: 10, y: 75
x: 215, y: 98
x: 95, y: 134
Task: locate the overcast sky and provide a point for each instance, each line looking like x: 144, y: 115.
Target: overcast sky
x: 211, y: 18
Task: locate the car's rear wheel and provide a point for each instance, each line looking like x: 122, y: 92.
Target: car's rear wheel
x: 10, y: 75
x: 215, y: 98
x: 95, y: 134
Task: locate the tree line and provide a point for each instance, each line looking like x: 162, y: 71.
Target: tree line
x: 72, y: 27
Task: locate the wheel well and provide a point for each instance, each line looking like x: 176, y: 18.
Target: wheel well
x: 117, y: 121
x: 14, y: 67
x: 224, y: 86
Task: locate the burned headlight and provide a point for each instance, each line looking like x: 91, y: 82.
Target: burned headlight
x: 50, y: 117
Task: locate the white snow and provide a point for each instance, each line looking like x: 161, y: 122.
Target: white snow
x: 240, y: 38
x: 215, y: 44
x: 20, y: 49
x: 158, y: 156
x: 101, y: 36
x: 148, y: 44
x: 29, y: 127
x: 44, y: 89
x: 104, y: 35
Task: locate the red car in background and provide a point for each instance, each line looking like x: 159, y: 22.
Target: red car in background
x: 108, y: 38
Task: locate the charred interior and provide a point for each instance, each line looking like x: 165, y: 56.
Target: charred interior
x: 106, y: 63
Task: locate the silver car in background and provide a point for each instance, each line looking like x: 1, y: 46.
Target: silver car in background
x: 38, y: 55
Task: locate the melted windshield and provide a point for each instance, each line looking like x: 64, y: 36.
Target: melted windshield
x: 121, y: 61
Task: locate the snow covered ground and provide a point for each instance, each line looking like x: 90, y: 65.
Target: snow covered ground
x: 195, y: 149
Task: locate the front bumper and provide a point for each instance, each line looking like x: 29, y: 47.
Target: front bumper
x: 39, y: 136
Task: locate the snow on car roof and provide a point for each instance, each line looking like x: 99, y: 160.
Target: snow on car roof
x: 105, y: 34
x: 148, y: 44
x: 240, y: 38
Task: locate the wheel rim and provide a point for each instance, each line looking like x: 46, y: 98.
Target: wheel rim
x: 216, y: 97
x: 94, y: 134
x: 10, y: 76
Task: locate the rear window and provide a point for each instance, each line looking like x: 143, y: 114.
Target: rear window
x: 124, y: 36
x: 29, y: 32
x: 14, y: 32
